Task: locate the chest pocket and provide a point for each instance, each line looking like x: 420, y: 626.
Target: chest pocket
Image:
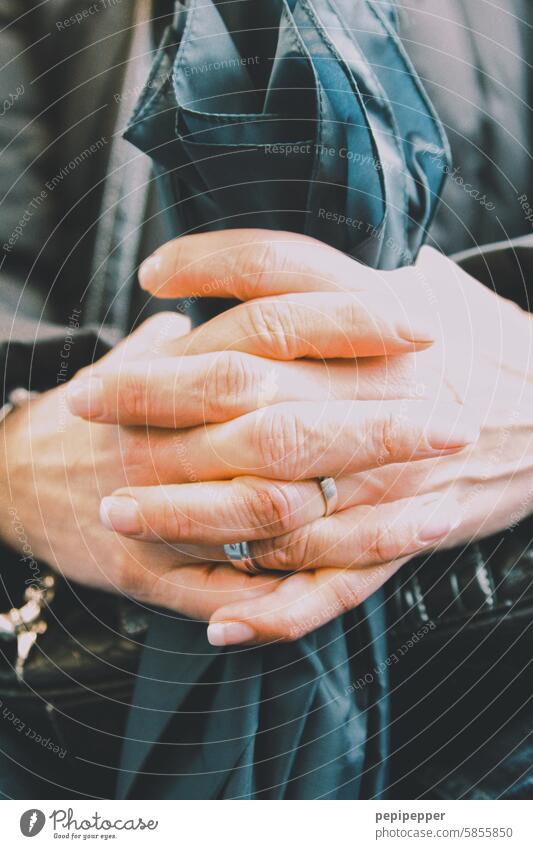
x: 340, y: 143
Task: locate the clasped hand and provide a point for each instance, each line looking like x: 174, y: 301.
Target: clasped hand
x: 192, y: 440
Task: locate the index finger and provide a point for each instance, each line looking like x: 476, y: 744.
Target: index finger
x: 247, y: 264
x: 297, y: 605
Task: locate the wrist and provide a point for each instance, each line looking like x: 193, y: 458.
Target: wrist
x: 12, y: 427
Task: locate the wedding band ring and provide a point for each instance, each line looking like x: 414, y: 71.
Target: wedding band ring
x: 239, y: 553
x: 328, y: 488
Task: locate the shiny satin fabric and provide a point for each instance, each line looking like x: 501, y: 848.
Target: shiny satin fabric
x: 322, y: 128
x: 275, y: 722
x: 340, y: 143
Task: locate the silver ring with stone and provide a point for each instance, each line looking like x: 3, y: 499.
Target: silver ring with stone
x: 328, y: 488
x: 239, y: 554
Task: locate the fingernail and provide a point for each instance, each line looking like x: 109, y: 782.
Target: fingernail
x: 440, y: 516
x: 444, y: 437
x: 436, y: 528
x: 418, y: 331
x: 86, y: 397
x: 149, y: 272
x: 229, y: 633
x: 121, y: 513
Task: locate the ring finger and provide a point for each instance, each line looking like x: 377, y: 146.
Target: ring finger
x: 362, y: 536
x: 220, y: 512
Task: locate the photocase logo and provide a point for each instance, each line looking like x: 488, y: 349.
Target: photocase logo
x: 32, y: 822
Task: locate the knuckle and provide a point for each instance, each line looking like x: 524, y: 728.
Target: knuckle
x: 296, y: 552
x: 171, y: 523
x: 232, y: 381
x: 382, y: 546
x: 302, y: 549
x: 133, y: 448
x: 353, y: 312
x: 176, y: 253
x: 256, y: 262
x: 278, y: 557
x: 271, y: 322
x: 345, y: 597
x: 273, y: 506
x: 132, y: 397
x: 390, y: 437
x: 280, y: 442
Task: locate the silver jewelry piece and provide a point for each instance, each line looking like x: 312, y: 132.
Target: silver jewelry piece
x: 239, y: 552
x: 24, y: 624
x: 328, y: 487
